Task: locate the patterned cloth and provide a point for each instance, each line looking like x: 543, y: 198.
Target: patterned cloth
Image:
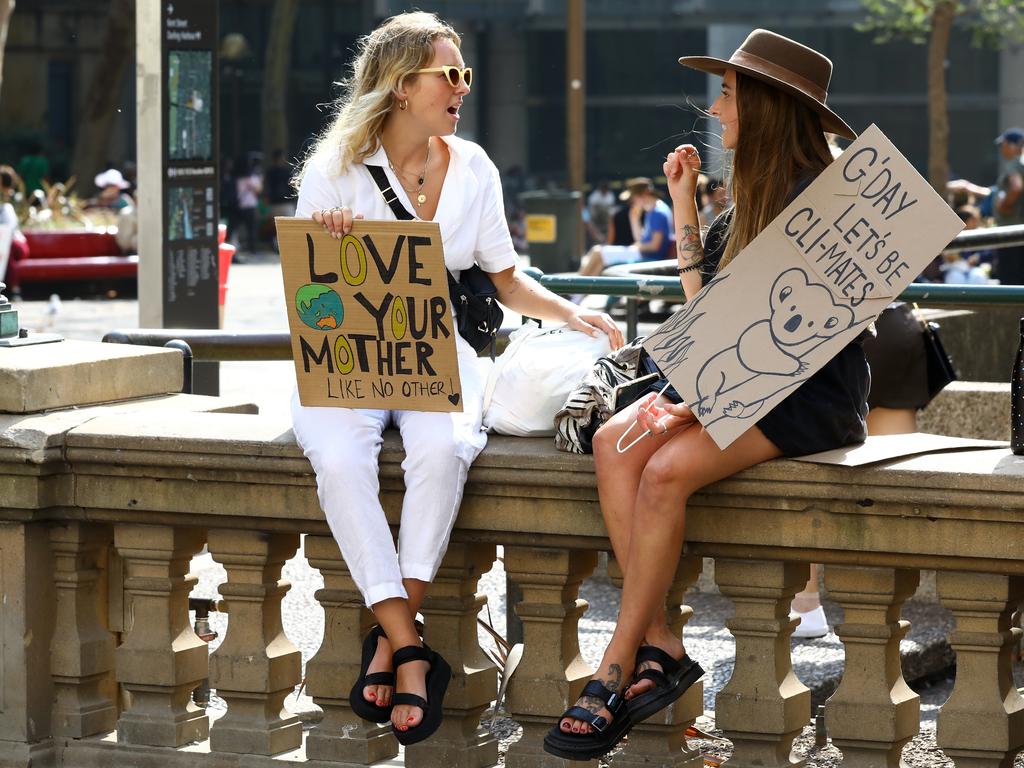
x: 593, y: 401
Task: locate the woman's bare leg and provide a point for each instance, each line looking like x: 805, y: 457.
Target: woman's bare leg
x: 808, y: 599
x: 381, y: 661
x: 618, y: 480
x: 688, y: 461
x: 618, y: 475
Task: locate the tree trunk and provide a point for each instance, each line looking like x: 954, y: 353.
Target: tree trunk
x: 938, y: 112
x: 6, y: 9
x: 100, y: 110
x: 275, y: 77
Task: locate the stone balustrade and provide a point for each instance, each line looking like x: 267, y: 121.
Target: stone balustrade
x: 102, y: 507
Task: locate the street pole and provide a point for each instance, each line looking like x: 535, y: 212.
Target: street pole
x: 575, y: 100
x: 575, y: 123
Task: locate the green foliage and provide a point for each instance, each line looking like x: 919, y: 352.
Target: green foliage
x: 993, y: 23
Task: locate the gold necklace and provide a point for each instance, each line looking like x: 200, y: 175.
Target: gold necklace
x: 420, y: 197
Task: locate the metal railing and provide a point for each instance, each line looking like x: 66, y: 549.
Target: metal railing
x: 644, y: 281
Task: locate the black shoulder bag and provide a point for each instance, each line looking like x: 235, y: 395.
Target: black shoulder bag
x: 474, y: 297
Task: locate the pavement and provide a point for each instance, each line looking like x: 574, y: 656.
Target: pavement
x: 255, y: 300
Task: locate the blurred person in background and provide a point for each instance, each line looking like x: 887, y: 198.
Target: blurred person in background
x: 112, y: 192
x: 34, y: 168
x: 650, y: 223
x: 249, y: 186
x: 1008, y: 203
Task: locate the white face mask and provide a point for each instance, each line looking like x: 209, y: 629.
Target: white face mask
x: 618, y: 445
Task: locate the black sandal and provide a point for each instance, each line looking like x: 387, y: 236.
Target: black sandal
x: 669, y: 684
x: 356, y: 700
x: 437, y: 680
x: 604, y: 736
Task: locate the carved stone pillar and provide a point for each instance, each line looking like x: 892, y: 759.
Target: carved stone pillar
x: 161, y: 659
x: 764, y: 706
x: 982, y: 723
x: 82, y: 652
x: 873, y: 713
x: 660, y: 740
x: 341, y: 736
x: 256, y: 666
x: 449, y: 618
x: 551, y: 674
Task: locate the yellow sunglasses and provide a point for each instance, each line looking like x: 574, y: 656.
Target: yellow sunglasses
x: 453, y: 75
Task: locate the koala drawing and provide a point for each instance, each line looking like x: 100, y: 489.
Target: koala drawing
x: 769, y: 355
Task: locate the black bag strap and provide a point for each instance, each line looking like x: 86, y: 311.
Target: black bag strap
x: 401, y: 212
x: 390, y: 196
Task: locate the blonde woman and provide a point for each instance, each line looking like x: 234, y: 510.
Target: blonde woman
x: 399, y: 112
x: 773, y: 117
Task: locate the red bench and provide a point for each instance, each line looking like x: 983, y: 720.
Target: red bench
x: 81, y: 255
x: 54, y: 256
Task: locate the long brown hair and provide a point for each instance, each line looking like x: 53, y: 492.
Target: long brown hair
x: 780, y: 142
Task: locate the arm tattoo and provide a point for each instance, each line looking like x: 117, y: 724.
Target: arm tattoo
x: 689, y: 246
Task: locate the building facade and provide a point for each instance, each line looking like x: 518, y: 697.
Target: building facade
x: 639, y: 102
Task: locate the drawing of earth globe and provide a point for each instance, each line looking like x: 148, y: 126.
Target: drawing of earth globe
x: 319, y: 307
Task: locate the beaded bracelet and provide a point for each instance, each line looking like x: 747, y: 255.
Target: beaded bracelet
x: 681, y: 270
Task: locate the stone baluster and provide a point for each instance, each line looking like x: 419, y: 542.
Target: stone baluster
x: 982, y: 723
x: 82, y: 652
x: 449, y: 618
x: 873, y: 713
x: 341, y: 736
x: 763, y: 707
x: 161, y: 659
x: 660, y: 740
x: 552, y: 673
x: 256, y: 666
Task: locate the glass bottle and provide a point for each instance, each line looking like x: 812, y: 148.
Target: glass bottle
x: 1017, y: 398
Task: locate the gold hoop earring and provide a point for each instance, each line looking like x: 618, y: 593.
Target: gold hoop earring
x: 404, y: 104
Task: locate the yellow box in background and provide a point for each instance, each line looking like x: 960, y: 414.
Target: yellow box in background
x: 541, y: 228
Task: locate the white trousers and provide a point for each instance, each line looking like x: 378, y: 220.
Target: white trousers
x: 343, y: 445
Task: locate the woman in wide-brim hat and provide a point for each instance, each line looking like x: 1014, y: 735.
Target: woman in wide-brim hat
x: 773, y: 115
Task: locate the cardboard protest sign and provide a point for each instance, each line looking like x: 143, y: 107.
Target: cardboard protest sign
x: 369, y: 315
x: 811, y: 281
x: 878, y: 448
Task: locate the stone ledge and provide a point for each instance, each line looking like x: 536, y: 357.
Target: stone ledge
x: 977, y: 409
x: 31, y: 434
x: 69, y: 373
x: 931, y: 511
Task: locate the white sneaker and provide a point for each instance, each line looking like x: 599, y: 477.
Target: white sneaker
x: 812, y: 623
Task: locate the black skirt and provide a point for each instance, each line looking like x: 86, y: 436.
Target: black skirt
x: 827, y: 411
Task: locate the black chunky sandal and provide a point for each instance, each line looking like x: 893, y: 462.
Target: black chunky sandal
x: 356, y: 700
x: 438, y: 677
x: 604, y: 736
x: 369, y: 710
x: 670, y: 682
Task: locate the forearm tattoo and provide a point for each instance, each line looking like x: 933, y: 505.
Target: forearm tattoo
x: 689, y: 246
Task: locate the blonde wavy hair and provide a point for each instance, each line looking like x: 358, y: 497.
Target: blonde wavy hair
x: 384, y: 60
x: 781, y: 142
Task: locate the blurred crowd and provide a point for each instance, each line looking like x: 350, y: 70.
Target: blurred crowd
x: 630, y: 221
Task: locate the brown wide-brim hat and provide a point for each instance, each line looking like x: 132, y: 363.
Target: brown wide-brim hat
x: 786, y: 64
